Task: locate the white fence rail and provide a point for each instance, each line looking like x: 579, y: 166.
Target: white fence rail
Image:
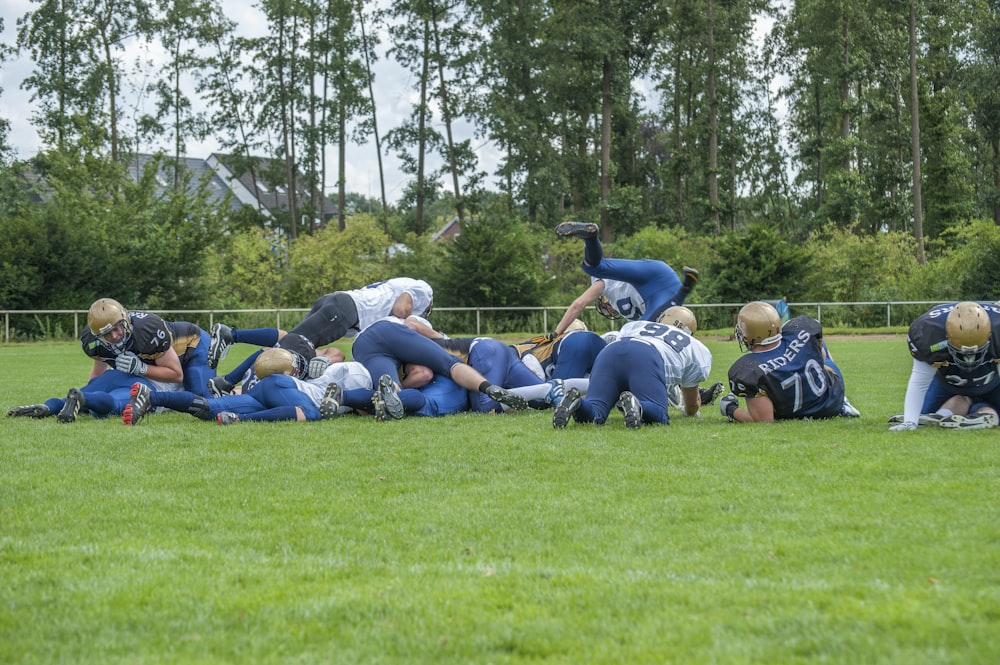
x: 550, y: 315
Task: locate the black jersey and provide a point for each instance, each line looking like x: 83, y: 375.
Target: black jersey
x: 792, y: 375
x: 185, y: 336
x: 928, y: 342
x: 150, y: 339
x: 459, y: 347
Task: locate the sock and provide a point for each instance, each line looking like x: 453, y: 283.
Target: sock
x: 256, y: 336
x: 593, y: 252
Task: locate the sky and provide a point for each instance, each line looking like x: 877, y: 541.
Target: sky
x: 393, y: 92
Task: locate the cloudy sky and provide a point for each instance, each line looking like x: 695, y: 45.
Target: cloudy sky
x: 393, y: 98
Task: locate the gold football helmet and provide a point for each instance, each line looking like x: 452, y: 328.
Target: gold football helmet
x: 681, y: 317
x: 757, y: 323
x: 576, y: 325
x: 274, y: 361
x: 968, y: 330
x: 104, y: 316
x: 606, y: 309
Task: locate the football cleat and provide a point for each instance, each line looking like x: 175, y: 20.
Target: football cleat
x: 140, y: 400
x: 507, y: 398
x: 926, y: 419
x: 74, y: 402
x: 219, y: 387
x: 387, y: 390
x: 674, y: 396
x: 30, y: 411
x: 562, y: 414
x: 227, y: 418
x: 329, y: 406
x: 222, y: 339
x: 576, y: 230
x: 849, y: 410
x: 631, y: 409
x: 710, y: 394
x: 556, y: 393
x: 691, y: 277
x: 975, y: 421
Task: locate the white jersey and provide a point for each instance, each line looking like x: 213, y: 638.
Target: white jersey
x: 624, y: 298
x: 686, y: 361
x: 376, y: 300
x: 348, y: 375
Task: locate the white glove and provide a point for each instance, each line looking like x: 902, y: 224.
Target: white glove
x: 728, y: 404
x: 902, y: 427
x: 129, y: 363
x: 317, y: 366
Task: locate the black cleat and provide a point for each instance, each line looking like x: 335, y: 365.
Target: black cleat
x: 329, y: 406
x: 30, y: 411
x: 974, y: 421
x: 691, y: 277
x: 507, y: 398
x: 710, y: 394
x: 631, y: 409
x: 219, y: 387
x: 227, y: 418
x: 74, y: 402
x: 138, y: 405
x: 576, y: 230
x: 386, y: 401
x: 570, y: 403
x: 222, y: 339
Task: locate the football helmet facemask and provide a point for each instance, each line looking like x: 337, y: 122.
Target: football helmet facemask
x: 104, y: 316
x: 681, y: 317
x: 757, y: 323
x: 604, y: 308
x: 274, y: 361
x: 968, y: 330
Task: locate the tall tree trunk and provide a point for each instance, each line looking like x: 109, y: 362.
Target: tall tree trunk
x: 422, y: 131
x: 378, y: 144
x: 605, y: 149
x: 918, y: 220
x: 285, y: 101
x: 446, y: 116
x: 713, y: 125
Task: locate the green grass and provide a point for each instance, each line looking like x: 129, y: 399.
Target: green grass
x: 496, y: 539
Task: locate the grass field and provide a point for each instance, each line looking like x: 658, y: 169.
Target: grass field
x: 496, y: 539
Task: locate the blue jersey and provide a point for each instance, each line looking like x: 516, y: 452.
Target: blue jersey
x: 792, y: 374
x: 928, y: 343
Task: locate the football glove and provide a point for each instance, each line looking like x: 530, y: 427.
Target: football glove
x: 728, y: 405
x: 902, y: 427
x: 317, y: 366
x: 218, y: 386
x: 129, y: 363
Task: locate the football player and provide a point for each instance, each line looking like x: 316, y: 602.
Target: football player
x: 126, y: 346
x: 788, y: 372
x: 633, y: 373
x: 388, y: 344
x: 682, y: 317
x: 633, y: 289
x: 336, y: 315
x: 565, y: 356
x: 954, y: 382
x: 274, y: 392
